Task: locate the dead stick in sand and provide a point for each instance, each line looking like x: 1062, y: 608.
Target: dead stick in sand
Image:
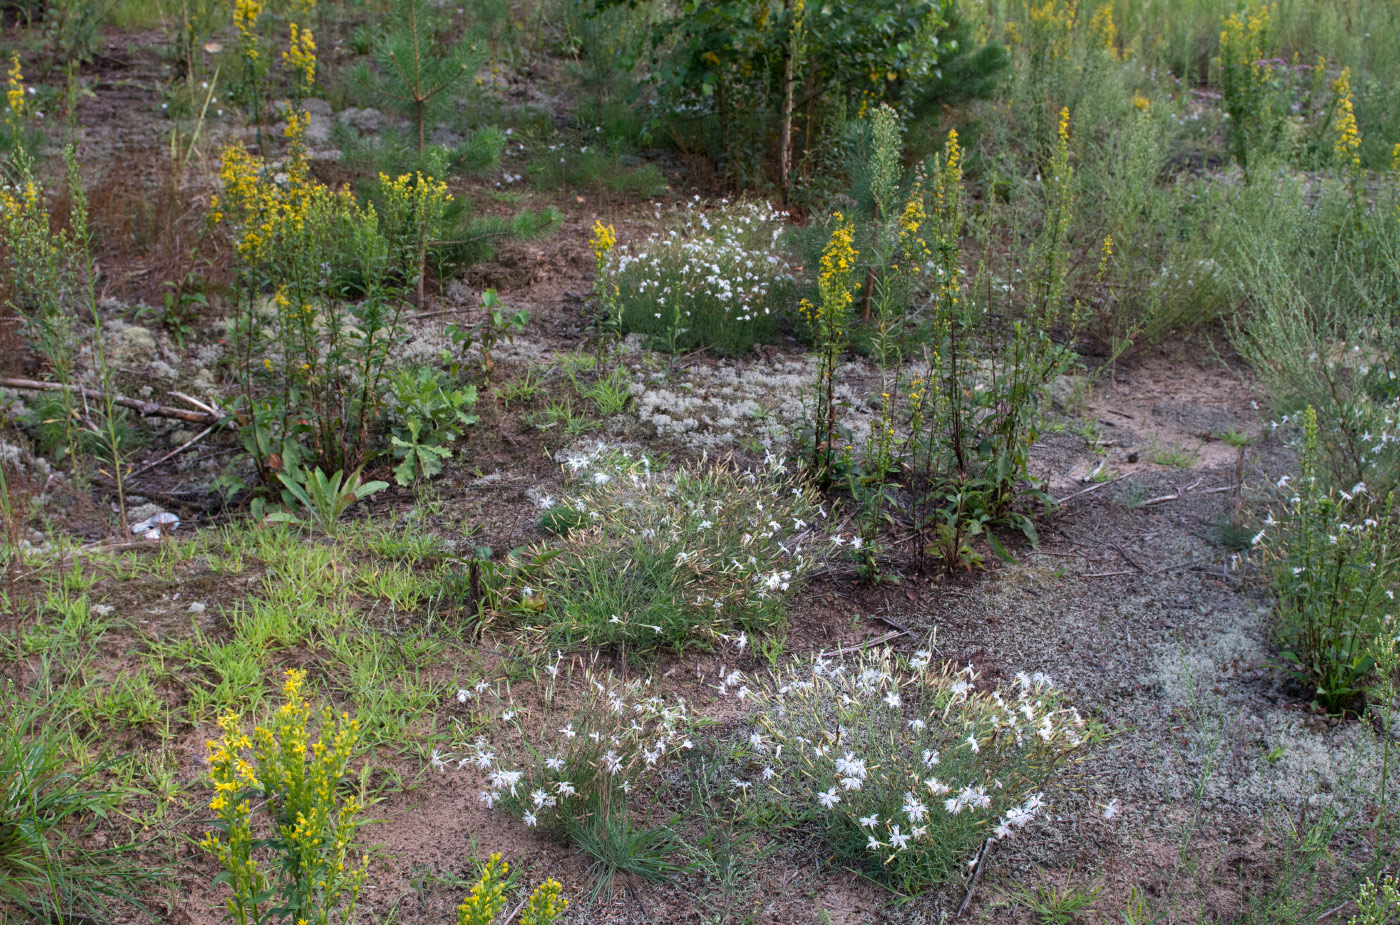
x: 878, y: 640
x: 976, y: 876
x: 1094, y: 487
x: 144, y: 408
x: 175, y: 452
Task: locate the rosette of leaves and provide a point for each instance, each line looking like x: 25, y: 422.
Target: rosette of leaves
x: 432, y: 414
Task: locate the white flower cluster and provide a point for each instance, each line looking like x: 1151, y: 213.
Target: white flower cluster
x: 575, y: 764
x: 717, y: 278
x: 733, y: 541
x: 905, y: 759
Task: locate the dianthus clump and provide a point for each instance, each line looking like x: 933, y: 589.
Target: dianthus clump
x: 715, y: 279
x: 671, y: 558
x: 906, y: 766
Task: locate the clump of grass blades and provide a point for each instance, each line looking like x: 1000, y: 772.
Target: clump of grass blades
x: 49, y: 869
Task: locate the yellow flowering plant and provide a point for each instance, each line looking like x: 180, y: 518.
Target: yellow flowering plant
x: 1246, y: 81
x: 19, y: 134
x: 830, y: 322
x: 300, y: 61
x: 1347, y: 143
x: 40, y: 270
x: 488, y: 898
x: 247, y: 87
x: 14, y: 94
x: 602, y: 244
x: 284, y: 830
x: 334, y: 275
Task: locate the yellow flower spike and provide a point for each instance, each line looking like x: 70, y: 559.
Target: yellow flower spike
x: 603, y: 241
x: 300, y: 57
x: 545, y: 904
x: 245, y: 20
x: 14, y: 93
x: 1104, y: 31
x: 1348, y: 142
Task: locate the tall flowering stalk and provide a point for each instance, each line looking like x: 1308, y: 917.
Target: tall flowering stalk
x: 14, y: 101
x: 300, y: 61
x: 830, y: 321
x: 247, y: 87
x: 1245, y: 77
x: 312, y: 867
x: 1335, y: 567
x: 602, y: 243
x: 41, y: 269
x: 1347, y: 144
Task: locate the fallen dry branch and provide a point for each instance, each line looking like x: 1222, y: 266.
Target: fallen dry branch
x: 147, y: 409
x: 1094, y: 487
x: 175, y: 452
x: 976, y: 876
x: 200, y: 502
x: 877, y: 641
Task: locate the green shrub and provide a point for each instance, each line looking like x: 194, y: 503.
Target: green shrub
x: 716, y: 280
x: 430, y: 414
x: 1334, y: 568
x: 765, y: 88
x: 905, y: 768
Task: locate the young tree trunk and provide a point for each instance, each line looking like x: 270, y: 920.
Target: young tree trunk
x: 785, y: 130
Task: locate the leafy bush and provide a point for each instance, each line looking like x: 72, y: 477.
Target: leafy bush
x: 764, y: 87
x: 309, y: 871
x: 903, y: 766
x: 1334, y: 568
x: 670, y: 559
x: 430, y: 416
x: 716, y: 280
